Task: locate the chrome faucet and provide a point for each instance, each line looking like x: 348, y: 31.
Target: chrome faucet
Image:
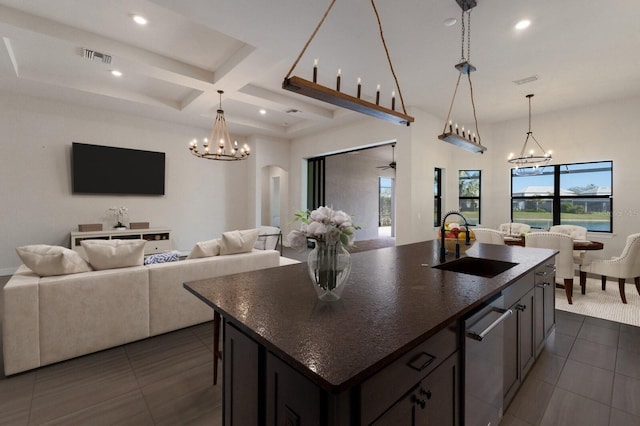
x: 467, y: 238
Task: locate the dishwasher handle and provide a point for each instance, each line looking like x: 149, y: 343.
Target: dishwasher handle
x: 506, y: 313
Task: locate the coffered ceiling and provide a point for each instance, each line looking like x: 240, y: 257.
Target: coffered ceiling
x: 581, y: 52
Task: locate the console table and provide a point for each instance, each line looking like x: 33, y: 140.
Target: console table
x: 158, y: 239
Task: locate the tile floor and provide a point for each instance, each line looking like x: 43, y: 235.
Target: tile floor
x: 588, y: 374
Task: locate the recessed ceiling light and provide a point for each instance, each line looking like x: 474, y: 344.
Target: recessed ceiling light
x: 116, y: 73
x: 521, y: 25
x: 450, y: 22
x: 140, y: 20
x: 263, y: 111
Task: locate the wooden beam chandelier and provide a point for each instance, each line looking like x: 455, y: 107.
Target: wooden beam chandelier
x: 335, y: 97
x: 454, y: 135
x: 219, y: 146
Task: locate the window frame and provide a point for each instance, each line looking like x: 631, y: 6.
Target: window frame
x: 478, y: 197
x: 437, y: 196
x: 557, y: 198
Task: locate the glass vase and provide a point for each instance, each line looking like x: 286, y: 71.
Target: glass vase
x: 329, y: 267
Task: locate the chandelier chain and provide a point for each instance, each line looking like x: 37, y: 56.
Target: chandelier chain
x: 469, y: 35
x: 462, y: 37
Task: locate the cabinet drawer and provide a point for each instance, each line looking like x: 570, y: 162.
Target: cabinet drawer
x: 385, y: 388
x: 157, y: 246
x: 514, y: 292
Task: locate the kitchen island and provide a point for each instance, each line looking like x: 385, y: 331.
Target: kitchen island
x: 290, y: 359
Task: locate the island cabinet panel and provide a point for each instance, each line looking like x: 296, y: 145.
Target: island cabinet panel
x: 385, y: 388
x: 519, y: 334
x: 545, y: 303
x: 433, y: 401
x: 241, y: 379
x: 292, y: 400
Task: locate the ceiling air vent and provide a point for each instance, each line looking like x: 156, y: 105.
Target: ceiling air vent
x: 292, y: 111
x: 96, y: 56
x: 526, y: 80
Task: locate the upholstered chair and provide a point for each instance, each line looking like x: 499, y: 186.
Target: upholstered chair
x: 488, y: 236
x: 577, y: 233
x: 514, y: 228
x: 269, y: 238
x: 564, y: 259
x: 627, y: 265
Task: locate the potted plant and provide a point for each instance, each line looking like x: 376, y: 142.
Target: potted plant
x: 119, y: 213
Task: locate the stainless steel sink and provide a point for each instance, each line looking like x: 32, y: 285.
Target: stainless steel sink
x: 487, y: 268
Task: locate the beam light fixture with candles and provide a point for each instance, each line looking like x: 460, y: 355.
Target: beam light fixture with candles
x: 219, y: 146
x: 468, y: 140
x: 530, y: 163
x: 355, y: 103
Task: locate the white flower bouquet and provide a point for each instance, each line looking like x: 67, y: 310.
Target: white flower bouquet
x: 323, y: 225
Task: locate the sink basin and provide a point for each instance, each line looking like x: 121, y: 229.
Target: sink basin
x: 487, y: 268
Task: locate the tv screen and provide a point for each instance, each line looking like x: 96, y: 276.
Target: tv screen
x: 109, y: 170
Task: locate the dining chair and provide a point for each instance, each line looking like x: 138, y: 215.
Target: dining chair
x: 576, y: 233
x: 514, y: 228
x: 627, y: 265
x: 269, y: 238
x: 488, y: 236
x: 564, y: 259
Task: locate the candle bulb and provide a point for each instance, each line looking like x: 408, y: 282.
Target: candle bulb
x: 474, y: 136
x: 463, y: 131
x: 315, y: 70
x: 359, y: 87
x: 457, y: 133
x: 338, y: 80
x: 378, y: 95
x: 393, y: 100
x: 450, y: 127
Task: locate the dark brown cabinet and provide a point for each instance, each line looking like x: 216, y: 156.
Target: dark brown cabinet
x: 519, y: 334
x: 433, y: 401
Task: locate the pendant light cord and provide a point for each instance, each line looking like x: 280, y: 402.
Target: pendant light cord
x: 384, y: 44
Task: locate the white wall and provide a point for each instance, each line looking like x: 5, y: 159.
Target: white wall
x: 608, y: 131
x: 203, y: 198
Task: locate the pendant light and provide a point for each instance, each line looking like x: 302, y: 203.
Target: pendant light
x: 532, y: 162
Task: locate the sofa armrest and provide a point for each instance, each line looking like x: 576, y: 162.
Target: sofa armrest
x: 20, y: 322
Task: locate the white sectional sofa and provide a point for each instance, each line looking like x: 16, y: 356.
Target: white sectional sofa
x: 50, y: 319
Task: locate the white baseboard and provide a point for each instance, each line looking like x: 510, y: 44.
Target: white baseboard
x: 7, y: 271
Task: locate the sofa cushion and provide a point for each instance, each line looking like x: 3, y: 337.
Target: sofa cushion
x: 110, y: 254
x: 238, y: 241
x: 46, y: 260
x: 207, y: 248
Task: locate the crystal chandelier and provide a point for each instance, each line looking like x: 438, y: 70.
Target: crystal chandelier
x: 530, y: 163
x: 224, y: 150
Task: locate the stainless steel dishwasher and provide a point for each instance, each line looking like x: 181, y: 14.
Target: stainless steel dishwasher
x: 483, y: 349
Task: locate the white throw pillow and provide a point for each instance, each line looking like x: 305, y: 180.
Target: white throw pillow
x: 238, y: 241
x: 46, y: 260
x: 208, y: 248
x: 111, y: 254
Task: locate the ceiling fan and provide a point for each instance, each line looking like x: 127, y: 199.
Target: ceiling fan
x: 392, y: 164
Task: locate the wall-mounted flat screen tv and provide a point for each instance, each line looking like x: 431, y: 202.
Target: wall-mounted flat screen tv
x: 109, y: 170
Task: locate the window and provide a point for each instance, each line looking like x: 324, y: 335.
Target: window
x: 386, y: 203
x: 437, y: 197
x: 565, y: 194
x: 469, y: 195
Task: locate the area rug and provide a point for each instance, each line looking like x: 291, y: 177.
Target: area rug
x: 602, y: 304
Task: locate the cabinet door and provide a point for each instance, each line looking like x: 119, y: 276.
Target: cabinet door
x: 539, y: 330
x: 241, y: 378
x: 404, y: 412
x: 441, y: 391
x: 526, y: 313
x: 549, y: 304
x: 434, y: 401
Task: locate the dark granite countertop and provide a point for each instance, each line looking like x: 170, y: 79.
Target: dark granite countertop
x: 391, y: 303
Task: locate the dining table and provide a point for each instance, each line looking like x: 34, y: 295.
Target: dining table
x: 577, y: 244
